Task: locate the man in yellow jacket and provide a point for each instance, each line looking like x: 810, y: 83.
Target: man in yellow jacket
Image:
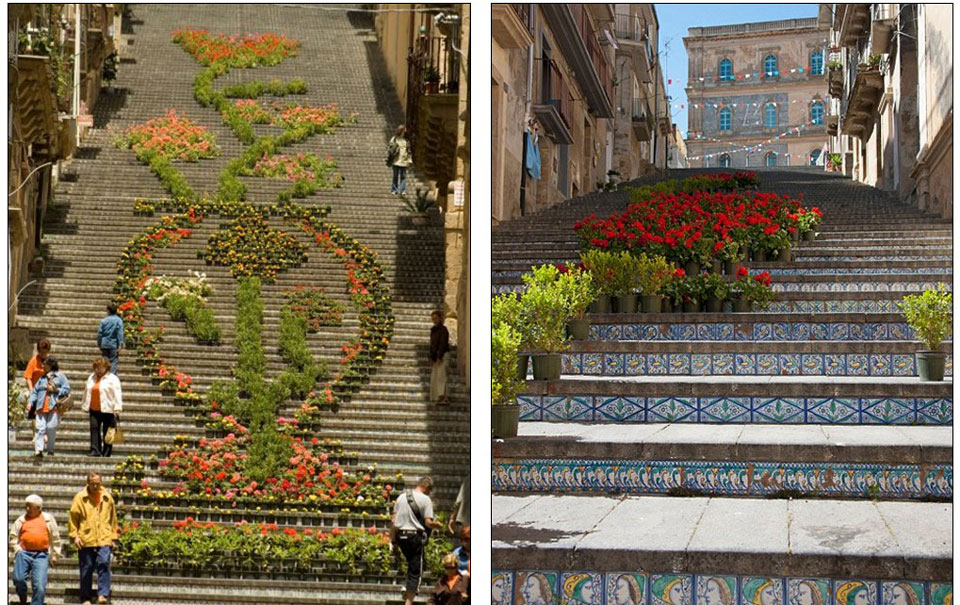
x: 93, y: 528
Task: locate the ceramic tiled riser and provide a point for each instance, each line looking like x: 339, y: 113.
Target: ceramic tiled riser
x: 724, y: 478
x: 757, y: 410
x: 741, y: 364
x: 523, y: 587
x: 756, y: 331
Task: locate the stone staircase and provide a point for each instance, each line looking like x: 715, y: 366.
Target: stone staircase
x: 790, y: 454
x: 389, y: 423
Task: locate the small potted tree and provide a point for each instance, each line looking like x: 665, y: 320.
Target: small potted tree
x: 602, y: 267
x: 508, y: 309
x: 546, y: 302
x: 626, y: 270
x: 420, y: 206
x: 653, y: 277
x: 505, y: 344
x: 930, y: 314
x: 582, y: 294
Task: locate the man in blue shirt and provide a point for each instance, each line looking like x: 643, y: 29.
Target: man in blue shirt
x: 110, y: 337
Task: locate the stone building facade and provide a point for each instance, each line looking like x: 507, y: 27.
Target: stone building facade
x: 426, y: 50
x: 584, y: 79
x: 891, y: 76
x: 757, y: 93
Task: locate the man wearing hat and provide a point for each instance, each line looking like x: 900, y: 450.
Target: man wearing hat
x: 35, y: 539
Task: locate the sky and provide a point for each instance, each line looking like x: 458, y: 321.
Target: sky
x: 675, y: 19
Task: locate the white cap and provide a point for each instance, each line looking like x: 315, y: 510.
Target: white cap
x: 35, y: 500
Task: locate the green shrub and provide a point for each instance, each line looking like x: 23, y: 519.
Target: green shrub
x: 930, y: 314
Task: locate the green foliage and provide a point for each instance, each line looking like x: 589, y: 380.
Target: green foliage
x: 930, y: 314
x: 359, y: 552
x: 267, y: 454
x: 505, y: 346
x: 16, y: 402
x: 602, y: 265
x: 548, y: 301
x: 316, y: 308
x: 420, y: 203
x: 712, y: 285
x: 201, y: 322
x: 253, y: 90
x: 654, y: 273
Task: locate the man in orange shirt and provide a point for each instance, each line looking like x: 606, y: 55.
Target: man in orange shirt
x: 35, y: 539
x: 35, y: 368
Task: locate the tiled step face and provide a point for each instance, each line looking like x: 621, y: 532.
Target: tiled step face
x: 525, y: 585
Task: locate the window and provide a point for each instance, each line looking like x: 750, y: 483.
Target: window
x: 814, y: 156
x: 770, y: 159
x: 816, y: 113
x: 725, y: 118
x: 816, y: 63
x: 770, y: 115
x: 724, y: 160
x: 770, y: 66
x: 726, y: 70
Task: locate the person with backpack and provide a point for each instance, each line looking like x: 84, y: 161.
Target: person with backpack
x: 412, y: 523
x: 398, y: 156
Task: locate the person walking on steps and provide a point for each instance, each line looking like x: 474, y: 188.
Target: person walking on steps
x: 103, y: 399
x: 47, y: 401
x: 35, y: 541
x: 110, y: 336
x: 93, y: 528
x: 35, y: 368
x: 398, y: 156
x: 439, y: 347
x: 412, y: 523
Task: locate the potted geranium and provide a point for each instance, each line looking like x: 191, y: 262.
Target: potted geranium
x: 505, y: 345
x: 731, y: 254
x: 602, y: 266
x: 807, y: 221
x: 715, y: 291
x: 653, y: 276
x: 930, y: 314
x: 751, y: 291
x: 546, y: 302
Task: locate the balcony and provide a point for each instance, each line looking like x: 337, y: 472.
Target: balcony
x: 509, y: 25
x: 577, y: 41
x: 860, y: 106
x: 854, y: 21
x: 641, y: 120
x: 634, y: 42
x: 881, y: 29
x: 833, y: 125
x: 835, y: 82
x: 38, y: 106
x: 553, y: 112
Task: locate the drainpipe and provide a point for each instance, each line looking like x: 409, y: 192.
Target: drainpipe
x: 76, y: 70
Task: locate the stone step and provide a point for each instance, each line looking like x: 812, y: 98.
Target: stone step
x: 733, y: 536
x: 887, y: 462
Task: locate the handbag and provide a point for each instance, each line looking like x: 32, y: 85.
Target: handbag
x: 114, y: 435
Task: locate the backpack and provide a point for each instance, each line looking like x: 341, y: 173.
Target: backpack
x: 393, y: 150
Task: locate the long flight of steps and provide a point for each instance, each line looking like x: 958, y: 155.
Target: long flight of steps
x: 790, y: 455
x: 389, y: 423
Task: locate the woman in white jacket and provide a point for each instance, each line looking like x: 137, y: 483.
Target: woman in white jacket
x: 103, y: 399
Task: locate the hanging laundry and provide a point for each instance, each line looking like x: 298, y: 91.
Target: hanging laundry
x: 533, y: 155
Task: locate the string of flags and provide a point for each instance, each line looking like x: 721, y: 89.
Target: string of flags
x: 775, y: 103
x: 748, y: 148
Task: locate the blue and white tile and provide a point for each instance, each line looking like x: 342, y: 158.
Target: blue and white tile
x: 776, y: 410
x: 723, y: 364
x: 568, y: 408
x: 592, y: 364
x: 746, y: 364
x: 887, y: 410
x: 613, y: 364
x: 700, y: 364
x: 670, y: 409
x: 880, y: 365
x: 724, y: 409
x: 858, y: 365
x: 679, y: 364
x: 902, y: 593
x: 581, y: 587
x: 835, y: 364
x: 626, y: 588
x: 811, y: 364
x: 833, y: 411
x: 657, y: 363
x: 635, y: 364
x: 620, y: 409
x: 789, y: 364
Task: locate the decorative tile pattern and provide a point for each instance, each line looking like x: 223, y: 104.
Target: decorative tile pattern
x: 723, y: 478
x: 548, y: 587
x: 762, y: 410
x: 790, y: 331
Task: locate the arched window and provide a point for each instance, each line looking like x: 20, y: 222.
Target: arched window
x: 770, y: 66
x: 724, y: 160
x: 770, y: 159
x: 816, y: 113
x: 814, y: 156
x: 770, y: 115
x: 725, y: 118
x: 816, y: 62
x: 726, y: 70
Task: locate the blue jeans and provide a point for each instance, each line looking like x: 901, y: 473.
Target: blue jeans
x: 113, y: 356
x: 33, y: 564
x: 46, y: 424
x: 399, y: 179
x: 95, y: 557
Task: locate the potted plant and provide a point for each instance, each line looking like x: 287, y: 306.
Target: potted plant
x: 508, y: 309
x: 431, y: 79
x: 613, y: 179
x: 505, y: 345
x: 546, y: 302
x: 930, y: 314
x: 731, y: 254
x: 419, y: 206
x: 715, y: 291
x: 653, y: 276
x: 581, y: 295
x: 109, y: 73
x: 601, y: 265
x: 751, y: 291
x: 834, y: 65
x: 626, y: 269
x: 834, y: 161
x: 807, y: 221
